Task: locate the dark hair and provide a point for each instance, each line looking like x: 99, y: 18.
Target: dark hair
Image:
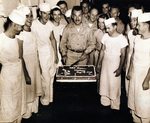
x: 7, y: 23
x: 52, y: 10
x: 86, y: 2
x: 148, y: 22
x: 115, y: 6
x: 105, y: 2
x: 77, y: 8
x: 114, y: 24
x: 135, y: 5
x: 103, y: 16
x: 55, y: 9
x: 37, y: 12
x: 61, y: 2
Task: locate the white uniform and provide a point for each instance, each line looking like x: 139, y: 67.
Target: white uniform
x: 139, y: 99
x: 131, y: 39
x: 12, y: 82
x: 110, y: 86
x: 46, y: 57
x: 57, y: 33
x: 32, y: 64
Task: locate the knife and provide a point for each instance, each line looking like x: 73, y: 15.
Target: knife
x: 75, y: 63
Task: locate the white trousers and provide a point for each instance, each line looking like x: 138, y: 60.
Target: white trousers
x: 31, y: 107
x: 47, y: 83
x: 113, y: 103
x: 137, y: 119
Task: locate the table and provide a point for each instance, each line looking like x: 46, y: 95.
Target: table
x: 75, y: 84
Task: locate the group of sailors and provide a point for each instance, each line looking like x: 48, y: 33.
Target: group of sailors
x: 31, y: 50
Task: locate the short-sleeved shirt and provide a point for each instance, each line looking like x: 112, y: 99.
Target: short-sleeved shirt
x: 42, y: 33
x: 114, y: 44
x: 29, y: 42
x: 73, y: 39
x: 58, y: 30
x: 142, y: 51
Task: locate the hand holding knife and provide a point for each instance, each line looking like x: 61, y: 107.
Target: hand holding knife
x: 83, y: 57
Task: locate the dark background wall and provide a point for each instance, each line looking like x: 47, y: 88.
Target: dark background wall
x: 123, y: 5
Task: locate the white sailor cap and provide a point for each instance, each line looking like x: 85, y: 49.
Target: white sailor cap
x: 147, y: 13
x: 17, y: 17
x: 23, y: 8
x: 144, y: 17
x: 109, y: 21
x: 68, y: 13
x: 53, y: 7
x: 136, y: 12
x: 45, y: 7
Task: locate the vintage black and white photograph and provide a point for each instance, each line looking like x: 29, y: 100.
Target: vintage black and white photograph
x: 74, y: 61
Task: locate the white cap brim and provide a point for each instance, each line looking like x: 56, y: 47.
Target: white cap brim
x: 53, y: 7
x: 145, y: 17
x: 23, y: 8
x: 17, y: 17
x: 109, y: 21
x: 136, y: 12
x: 45, y: 7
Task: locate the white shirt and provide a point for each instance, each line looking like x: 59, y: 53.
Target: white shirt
x: 58, y: 30
x: 42, y: 33
x: 114, y: 44
x: 29, y: 42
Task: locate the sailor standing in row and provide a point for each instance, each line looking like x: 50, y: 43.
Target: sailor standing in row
x: 47, y: 49
x: 139, y: 73
x: 131, y: 37
x: 57, y: 29
x: 111, y: 61
x: 31, y: 62
x: 12, y: 80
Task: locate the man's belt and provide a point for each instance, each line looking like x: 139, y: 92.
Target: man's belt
x: 77, y: 51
